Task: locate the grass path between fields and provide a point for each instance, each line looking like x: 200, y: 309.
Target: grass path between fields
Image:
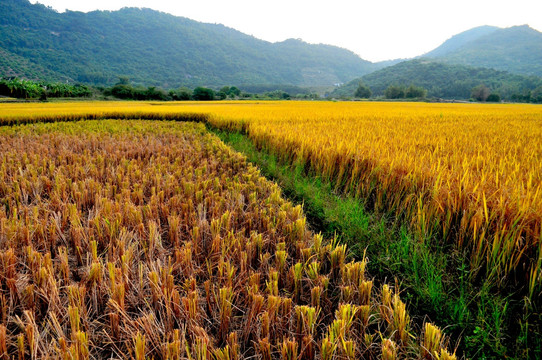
x: 433, y: 277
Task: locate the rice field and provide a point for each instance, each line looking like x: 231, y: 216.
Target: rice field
x: 468, y: 175
x: 152, y: 239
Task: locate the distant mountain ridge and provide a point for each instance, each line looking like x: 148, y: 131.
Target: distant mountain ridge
x: 459, y: 40
x: 155, y: 48
x: 508, y: 61
x: 517, y: 49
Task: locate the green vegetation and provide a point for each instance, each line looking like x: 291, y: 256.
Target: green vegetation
x: 155, y: 49
x: 269, y: 88
x: 26, y: 89
x: 486, y: 324
x: 441, y: 81
x: 180, y: 94
x: 363, y: 91
x: 228, y: 91
x: 205, y: 94
x: 480, y: 93
x: 461, y: 39
x: 394, y: 92
x: 516, y: 49
x: 13, y: 66
x: 415, y: 92
x: 127, y: 92
x: 200, y: 93
x: 533, y: 96
x: 493, y: 98
x: 158, y: 49
x: 401, y: 92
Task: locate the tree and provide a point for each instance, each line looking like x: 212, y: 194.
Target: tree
x: 234, y: 91
x: 203, y: 94
x: 414, y: 92
x: 394, y: 92
x: 123, y: 80
x: 524, y: 97
x: 122, y: 91
x: 363, y: 91
x: 536, y: 95
x: 480, y: 93
x: 154, y: 94
x: 43, y: 96
x: 494, y: 98
x: 181, y: 94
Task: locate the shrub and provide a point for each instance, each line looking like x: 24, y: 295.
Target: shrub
x: 494, y: 98
x: 203, y: 94
x: 363, y: 91
x: 414, y: 92
x: 480, y: 93
x: 394, y: 92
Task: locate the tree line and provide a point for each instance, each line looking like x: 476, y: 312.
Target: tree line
x: 445, y: 81
x: 480, y: 93
x: 392, y: 92
x: 123, y: 89
x: 27, y: 89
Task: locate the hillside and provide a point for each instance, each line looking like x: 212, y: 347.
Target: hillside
x: 155, y: 48
x: 12, y: 65
x: 442, y: 80
x: 516, y: 49
x: 461, y: 39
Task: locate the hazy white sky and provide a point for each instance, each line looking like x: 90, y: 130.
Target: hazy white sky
x: 375, y: 30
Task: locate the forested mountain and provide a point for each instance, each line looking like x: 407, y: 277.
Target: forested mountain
x: 152, y: 48
x: 442, y: 80
x: 517, y: 49
x: 155, y: 48
x: 507, y: 61
x: 461, y: 39
x: 12, y: 65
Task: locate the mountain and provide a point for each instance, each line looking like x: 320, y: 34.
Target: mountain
x: 12, y: 65
x: 442, y: 80
x: 459, y: 40
x: 508, y: 61
x: 155, y: 48
x: 517, y: 49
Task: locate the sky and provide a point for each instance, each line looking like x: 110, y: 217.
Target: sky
x: 375, y: 30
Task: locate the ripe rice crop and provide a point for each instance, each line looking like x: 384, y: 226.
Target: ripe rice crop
x: 472, y: 175
x: 469, y: 174
x: 140, y: 239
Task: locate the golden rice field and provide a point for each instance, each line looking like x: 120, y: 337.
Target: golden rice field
x: 469, y: 174
x: 153, y: 240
